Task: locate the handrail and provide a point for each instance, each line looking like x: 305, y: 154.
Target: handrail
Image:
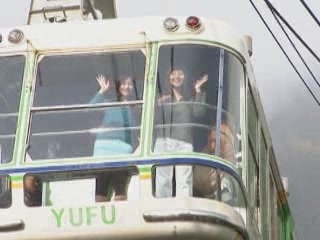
x: 212, y: 107
x: 109, y: 129
x: 88, y: 106
x: 7, y: 136
x: 93, y: 131
x: 4, y: 115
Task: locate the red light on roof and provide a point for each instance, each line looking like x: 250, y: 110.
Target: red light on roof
x: 193, y: 23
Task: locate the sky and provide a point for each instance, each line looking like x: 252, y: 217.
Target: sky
x: 292, y: 114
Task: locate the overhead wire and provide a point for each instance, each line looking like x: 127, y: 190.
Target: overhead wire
x: 284, y: 52
x: 292, y: 29
x: 310, y: 12
x: 295, y: 48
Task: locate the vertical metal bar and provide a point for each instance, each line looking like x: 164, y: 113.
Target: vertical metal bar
x: 115, y: 69
x: 134, y: 75
x: 219, y: 113
x: 171, y: 90
x: 172, y: 58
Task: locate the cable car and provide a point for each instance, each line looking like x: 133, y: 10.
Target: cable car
x: 133, y: 128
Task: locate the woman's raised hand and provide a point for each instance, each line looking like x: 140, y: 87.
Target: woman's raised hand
x: 103, y: 83
x: 200, y: 82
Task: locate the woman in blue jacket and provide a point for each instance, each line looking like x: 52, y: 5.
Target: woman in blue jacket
x: 112, y: 142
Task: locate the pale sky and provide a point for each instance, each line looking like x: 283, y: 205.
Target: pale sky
x: 290, y: 110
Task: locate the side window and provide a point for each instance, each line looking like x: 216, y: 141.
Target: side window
x: 252, y: 117
x: 5, y: 192
x: 87, y: 105
x: 253, y: 182
x: 11, y: 75
x: 253, y: 164
x: 271, y: 207
x: 275, y: 217
x: 263, y: 185
x: 233, y: 79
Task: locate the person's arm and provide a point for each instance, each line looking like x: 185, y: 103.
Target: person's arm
x: 199, y: 107
x: 200, y: 97
x: 98, y: 98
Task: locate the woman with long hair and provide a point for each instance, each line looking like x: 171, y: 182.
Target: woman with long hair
x: 177, y: 111
x: 113, y: 141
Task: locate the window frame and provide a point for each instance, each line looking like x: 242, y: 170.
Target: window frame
x: 37, y: 59
x: 20, y: 105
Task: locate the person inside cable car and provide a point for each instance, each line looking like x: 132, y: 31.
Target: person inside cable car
x: 5, y: 192
x: 32, y: 191
x: 205, y: 178
x: 5, y: 199
x: 113, y: 141
x: 174, y: 108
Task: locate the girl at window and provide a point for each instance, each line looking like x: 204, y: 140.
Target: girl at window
x: 113, y: 141
x: 177, y: 111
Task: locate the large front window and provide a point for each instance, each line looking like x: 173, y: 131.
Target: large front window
x: 11, y: 75
x: 87, y: 105
x: 197, y: 104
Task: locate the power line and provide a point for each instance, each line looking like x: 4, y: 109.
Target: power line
x: 310, y: 12
x: 291, y: 29
x: 284, y: 52
x: 295, y: 48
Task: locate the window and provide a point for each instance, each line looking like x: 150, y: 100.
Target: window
x: 272, y: 207
x: 5, y: 192
x: 253, y: 182
x: 11, y: 75
x: 263, y: 185
x: 252, y: 118
x: 189, y: 79
x: 274, y: 216
x: 87, y: 105
x: 80, y: 187
x: 205, y: 185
